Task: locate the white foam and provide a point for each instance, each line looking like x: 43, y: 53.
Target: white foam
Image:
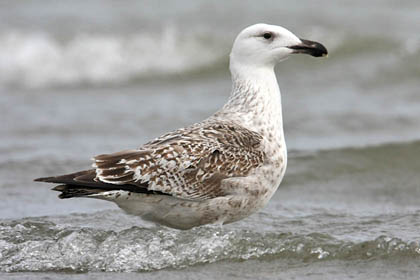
x: 37, y: 60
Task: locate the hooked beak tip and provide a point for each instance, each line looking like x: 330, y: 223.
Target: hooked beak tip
x: 310, y: 47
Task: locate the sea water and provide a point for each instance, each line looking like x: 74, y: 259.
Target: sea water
x: 84, y: 78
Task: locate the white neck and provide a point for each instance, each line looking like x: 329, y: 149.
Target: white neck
x: 255, y: 101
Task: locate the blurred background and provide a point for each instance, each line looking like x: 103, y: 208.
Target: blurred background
x: 82, y: 78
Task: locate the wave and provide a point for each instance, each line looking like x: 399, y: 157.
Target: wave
x: 36, y: 244
x: 40, y: 59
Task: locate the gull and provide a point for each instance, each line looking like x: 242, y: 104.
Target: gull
x: 217, y: 171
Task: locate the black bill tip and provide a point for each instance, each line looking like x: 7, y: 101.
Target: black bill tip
x: 310, y: 47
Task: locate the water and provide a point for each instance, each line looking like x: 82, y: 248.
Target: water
x: 83, y: 78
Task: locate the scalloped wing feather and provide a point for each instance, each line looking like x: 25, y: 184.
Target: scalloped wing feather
x: 189, y: 163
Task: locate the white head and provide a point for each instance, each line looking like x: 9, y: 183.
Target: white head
x: 263, y: 45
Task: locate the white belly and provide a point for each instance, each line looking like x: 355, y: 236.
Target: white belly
x: 246, y: 195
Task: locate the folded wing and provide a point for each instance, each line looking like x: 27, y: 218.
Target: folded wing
x: 189, y: 163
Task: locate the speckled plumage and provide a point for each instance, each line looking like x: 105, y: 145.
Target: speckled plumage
x: 217, y: 171
x: 189, y: 163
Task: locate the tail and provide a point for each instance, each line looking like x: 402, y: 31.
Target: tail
x: 83, y: 183
x: 69, y: 191
x: 75, y: 184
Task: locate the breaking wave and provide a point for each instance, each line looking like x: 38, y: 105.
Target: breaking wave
x: 36, y: 244
x: 38, y: 60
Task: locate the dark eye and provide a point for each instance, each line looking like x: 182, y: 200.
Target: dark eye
x: 267, y: 35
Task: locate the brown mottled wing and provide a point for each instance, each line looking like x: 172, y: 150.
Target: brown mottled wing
x: 188, y: 163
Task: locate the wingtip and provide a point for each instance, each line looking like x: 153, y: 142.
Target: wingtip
x: 42, y: 179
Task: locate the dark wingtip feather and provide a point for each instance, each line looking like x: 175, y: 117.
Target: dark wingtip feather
x: 44, y: 179
x: 69, y: 178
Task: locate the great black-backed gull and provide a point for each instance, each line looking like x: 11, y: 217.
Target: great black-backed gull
x: 217, y: 171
